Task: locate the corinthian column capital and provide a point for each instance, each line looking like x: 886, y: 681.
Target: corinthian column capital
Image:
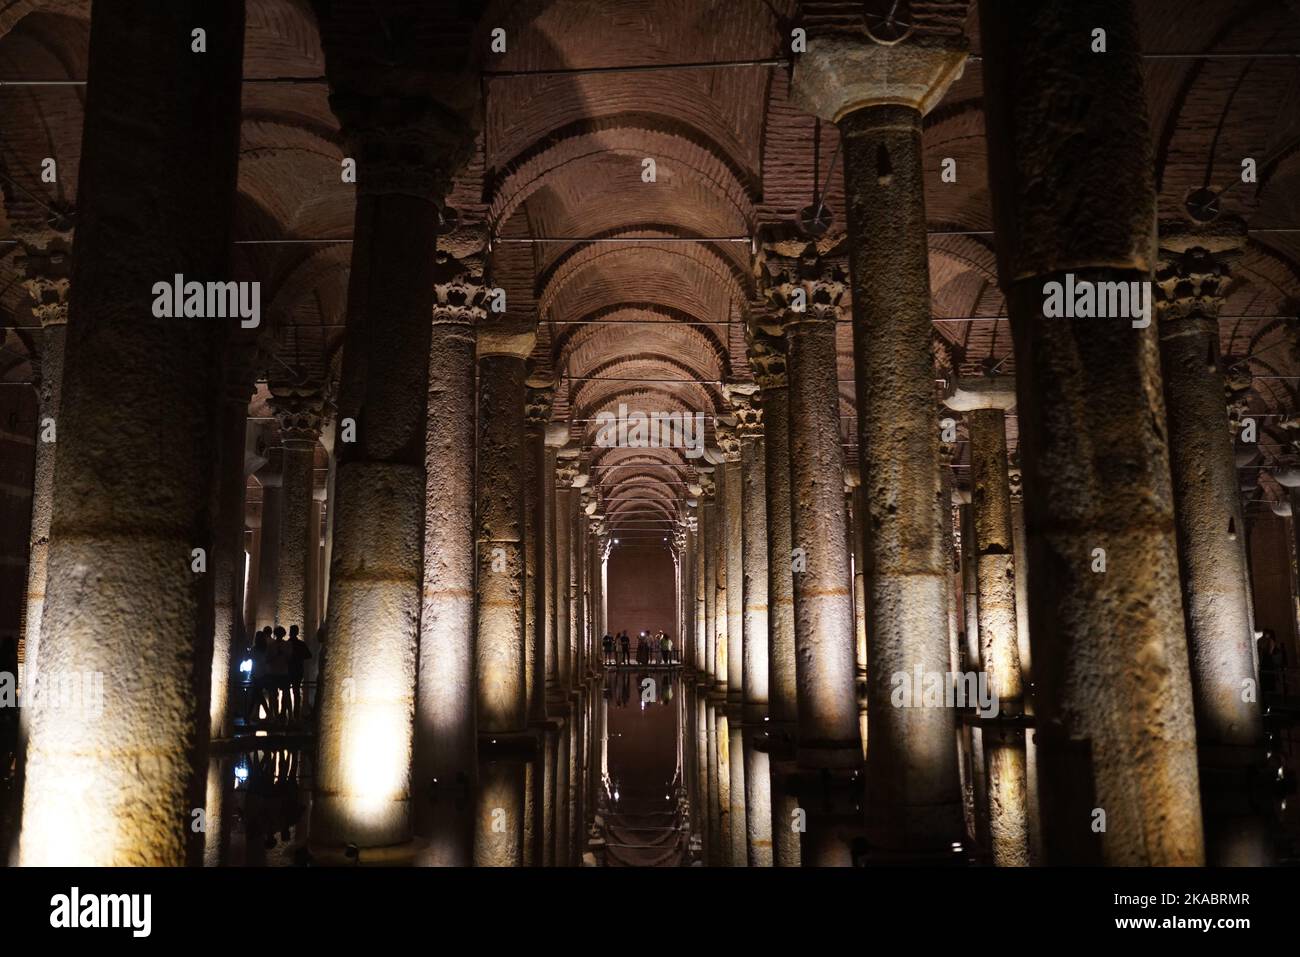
x: 800, y: 280
x: 878, y: 54
x: 299, y: 414
x: 459, y: 288
x: 1193, y: 267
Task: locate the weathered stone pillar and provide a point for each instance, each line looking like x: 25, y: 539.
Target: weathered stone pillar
x: 1075, y: 204
x: 228, y: 637
x: 445, y: 765
x: 727, y: 836
x: 709, y: 507
x: 1190, y: 284
x: 114, y: 768
x: 754, y: 651
x: 47, y: 284
x: 985, y: 402
x: 501, y: 641
x: 566, y: 471
x: 557, y: 436
x: 537, y: 478
x: 806, y: 289
x: 729, y: 440
x: 718, y: 838
x: 877, y: 95
x: 298, y: 416
x: 268, y: 565
x: 768, y: 362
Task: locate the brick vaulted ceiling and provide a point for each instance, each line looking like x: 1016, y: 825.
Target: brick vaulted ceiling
x: 660, y: 325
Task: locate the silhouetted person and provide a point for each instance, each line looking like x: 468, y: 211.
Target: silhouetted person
x: 277, y: 666
x: 625, y: 644
x: 259, y: 678
x: 1272, y: 663
x: 299, y: 653
x: 665, y: 648
x: 607, y: 646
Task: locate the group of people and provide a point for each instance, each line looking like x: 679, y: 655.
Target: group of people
x: 276, y: 669
x: 618, y: 649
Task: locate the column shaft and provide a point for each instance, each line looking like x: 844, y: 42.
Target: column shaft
x: 113, y: 775
x: 1072, y: 208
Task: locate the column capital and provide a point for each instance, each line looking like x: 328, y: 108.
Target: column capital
x: 459, y: 288
x: 566, y: 470
x: 970, y: 395
x: 47, y: 273
x: 801, y: 281
x: 1193, y: 265
x: 859, y: 57
x: 299, y: 414
x: 511, y: 341
x: 410, y: 145
x: 767, y: 359
x: 538, y: 400
x: 742, y: 397
x: 728, y: 438
x: 708, y: 486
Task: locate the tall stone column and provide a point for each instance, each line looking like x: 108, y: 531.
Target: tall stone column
x: 985, y: 402
x: 757, y: 776
x: 298, y: 414
x: 565, y: 472
x: 1189, y: 291
x: 718, y: 839
x: 537, y: 415
x: 877, y: 95
x: 113, y: 774
x: 709, y: 507
x: 228, y: 637
x: 768, y: 362
x: 268, y: 546
x: 445, y: 764
x: 806, y: 290
x: 729, y: 440
x: 47, y: 285
x: 1076, y: 204
x: 501, y: 640
x: 557, y: 436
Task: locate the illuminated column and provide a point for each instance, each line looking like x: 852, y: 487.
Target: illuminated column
x: 1189, y: 289
x: 446, y: 751
x: 563, y: 837
x: 557, y: 436
x: 806, y: 290
x: 502, y: 361
x: 757, y: 774
x: 268, y: 565
x: 566, y: 470
x: 856, y: 504
x: 727, y: 836
x: 1075, y: 203
x: 768, y: 362
x: 699, y: 635
x: 877, y: 95
x: 985, y: 403
x: 298, y: 417
x: 718, y: 839
x: 710, y: 508
x: 228, y: 544
x: 112, y: 776
x: 500, y: 652
x: 47, y: 285
x: 729, y: 440
x: 537, y: 478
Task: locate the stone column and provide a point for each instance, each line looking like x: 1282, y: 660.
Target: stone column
x: 1075, y: 204
x: 758, y: 784
x: 1190, y: 283
x: 806, y: 290
x: 501, y: 639
x: 985, y: 401
x: 767, y: 360
x: 445, y: 764
x: 565, y: 472
x: 729, y: 440
x: 855, y: 504
x: 710, y: 510
x: 268, y: 565
x: 537, y: 478
x: 877, y: 95
x: 298, y: 416
x: 557, y: 435
x: 47, y: 285
x: 228, y: 639
x: 113, y: 774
